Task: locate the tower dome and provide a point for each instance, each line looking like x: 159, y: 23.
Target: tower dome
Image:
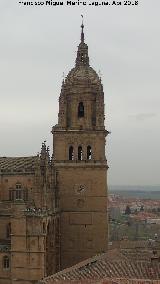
x: 82, y: 73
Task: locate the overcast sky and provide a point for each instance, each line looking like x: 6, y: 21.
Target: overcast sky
x: 38, y: 44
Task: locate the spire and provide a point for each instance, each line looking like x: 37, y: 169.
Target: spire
x: 82, y: 33
x: 82, y: 53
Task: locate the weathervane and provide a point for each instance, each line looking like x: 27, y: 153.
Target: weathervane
x: 82, y: 19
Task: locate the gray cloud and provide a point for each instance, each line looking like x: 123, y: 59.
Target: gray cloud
x: 143, y: 116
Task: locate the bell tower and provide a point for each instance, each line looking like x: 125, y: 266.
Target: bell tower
x: 80, y: 162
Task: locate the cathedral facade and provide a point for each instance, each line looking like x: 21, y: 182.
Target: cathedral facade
x: 53, y: 211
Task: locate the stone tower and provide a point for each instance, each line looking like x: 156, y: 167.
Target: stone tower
x: 80, y: 162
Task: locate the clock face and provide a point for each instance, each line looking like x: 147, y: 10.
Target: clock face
x: 81, y: 188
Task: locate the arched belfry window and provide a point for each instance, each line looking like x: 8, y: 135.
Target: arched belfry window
x: 71, y: 153
x: 89, y: 153
x: 80, y: 110
x: 80, y: 153
x: 6, y: 262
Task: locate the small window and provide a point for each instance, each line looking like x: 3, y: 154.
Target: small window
x: 71, y: 153
x: 89, y: 153
x: 49, y: 228
x: 6, y: 262
x: 80, y: 153
x: 18, y: 194
x: 18, y: 186
x: 8, y: 231
x: 80, y: 110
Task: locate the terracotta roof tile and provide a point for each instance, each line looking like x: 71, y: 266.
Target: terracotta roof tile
x: 105, y: 267
x: 18, y: 164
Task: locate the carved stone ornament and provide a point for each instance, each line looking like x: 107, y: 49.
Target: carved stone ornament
x: 79, y: 188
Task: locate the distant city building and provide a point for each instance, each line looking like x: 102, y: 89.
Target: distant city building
x: 114, y: 213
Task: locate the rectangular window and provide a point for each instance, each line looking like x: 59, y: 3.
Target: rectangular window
x: 6, y: 263
x: 18, y: 194
x: 18, y: 186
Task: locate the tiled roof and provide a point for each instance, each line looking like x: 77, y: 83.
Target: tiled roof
x: 105, y: 281
x: 104, y: 266
x: 140, y: 250
x: 127, y: 244
x: 18, y: 164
